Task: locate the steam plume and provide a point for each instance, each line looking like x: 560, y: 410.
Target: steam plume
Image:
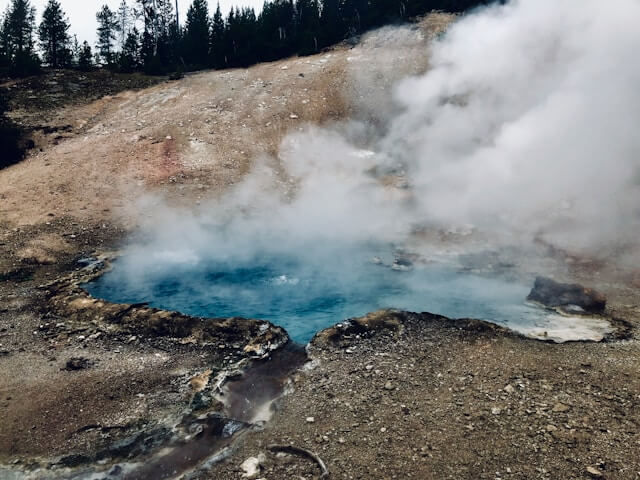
x: 525, y: 125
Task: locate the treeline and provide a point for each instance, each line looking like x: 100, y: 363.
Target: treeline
x: 152, y: 40
x: 147, y: 35
x: 26, y: 45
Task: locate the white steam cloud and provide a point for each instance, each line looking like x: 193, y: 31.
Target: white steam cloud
x: 525, y: 125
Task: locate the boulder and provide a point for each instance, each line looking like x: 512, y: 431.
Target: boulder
x: 570, y: 298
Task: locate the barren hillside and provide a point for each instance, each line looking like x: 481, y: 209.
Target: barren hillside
x: 191, y: 138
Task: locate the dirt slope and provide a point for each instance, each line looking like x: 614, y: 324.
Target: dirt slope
x: 191, y: 138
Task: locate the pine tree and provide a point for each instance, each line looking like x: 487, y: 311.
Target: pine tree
x: 164, y: 17
x: 125, y: 21
x: 4, y: 44
x: 107, y: 28
x: 147, y: 10
x: 196, y: 36
x: 129, y: 57
x: 75, y: 51
x: 174, y: 46
x: 166, y: 45
x: 307, y: 26
x: 19, y: 30
x: 54, y: 39
x: 217, y: 58
x: 356, y: 15
x: 241, y: 37
x: 331, y: 24
x: 277, y: 30
x: 21, y: 18
x: 85, y: 57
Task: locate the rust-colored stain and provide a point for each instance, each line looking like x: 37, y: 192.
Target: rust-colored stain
x: 160, y: 161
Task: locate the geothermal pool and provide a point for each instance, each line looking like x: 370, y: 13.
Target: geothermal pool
x: 305, y: 298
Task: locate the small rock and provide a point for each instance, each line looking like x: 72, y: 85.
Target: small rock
x: 509, y: 389
x: 252, y: 466
x: 496, y: 411
x: 388, y: 385
x: 293, y: 116
x: 560, y: 408
x: 77, y: 363
x: 594, y: 472
x: 310, y: 420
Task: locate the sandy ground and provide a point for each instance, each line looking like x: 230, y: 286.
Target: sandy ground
x: 428, y: 401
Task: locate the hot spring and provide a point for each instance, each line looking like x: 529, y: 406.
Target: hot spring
x: 305, y: 297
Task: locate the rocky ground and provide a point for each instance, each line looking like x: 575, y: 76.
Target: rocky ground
x: 443, y: 400
x: 83, y: 382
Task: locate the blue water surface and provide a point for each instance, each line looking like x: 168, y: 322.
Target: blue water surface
x: 305, y: 298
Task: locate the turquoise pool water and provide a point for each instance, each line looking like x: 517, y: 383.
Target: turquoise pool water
x: 305, y: 297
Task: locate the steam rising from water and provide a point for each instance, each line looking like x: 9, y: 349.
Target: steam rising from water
x: 524, y: 126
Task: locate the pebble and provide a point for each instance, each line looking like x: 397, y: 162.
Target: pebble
x: 496, y: 411
x: 252, y: 465
x: 310, y: 420
x: 560, y: 408
x: 594, y: 472
x: 388, y: 385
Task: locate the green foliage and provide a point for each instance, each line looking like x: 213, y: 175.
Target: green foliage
x: 107, y: 28
x: 128, y: 59
x: 308, y: 29
x: 54, y: 39
x: 24, y: 64
x: 85, y: 57
x: 196, y: 36
x: 18, y: 56
x: 217, y: 53
x: 283, y: 28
